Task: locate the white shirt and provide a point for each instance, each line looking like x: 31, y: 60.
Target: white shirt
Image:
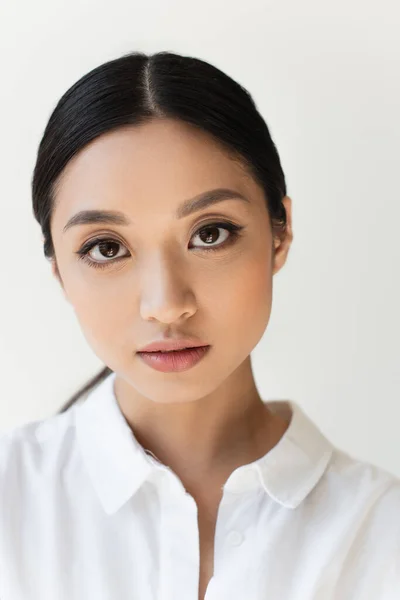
x: 87, y: 514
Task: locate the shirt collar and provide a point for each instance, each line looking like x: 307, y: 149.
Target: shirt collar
x: 118, y: 465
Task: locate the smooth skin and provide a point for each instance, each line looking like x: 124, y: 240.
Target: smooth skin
x: 207, y: 421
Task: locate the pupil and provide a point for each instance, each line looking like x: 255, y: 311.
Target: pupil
x: 209, y: 235
x: 106, y: 245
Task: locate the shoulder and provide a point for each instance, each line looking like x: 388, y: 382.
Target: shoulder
x: 359, y: 477
x: 364, y: 510
x: 365, y: 498
x: 35, y: 447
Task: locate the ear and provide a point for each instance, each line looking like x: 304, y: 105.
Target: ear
x: 283, y: 242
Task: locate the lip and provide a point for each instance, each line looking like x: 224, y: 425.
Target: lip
x: 179, y: 360
x: 166, y: 345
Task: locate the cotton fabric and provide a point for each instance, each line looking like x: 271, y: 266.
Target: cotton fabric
x: 87, y: 513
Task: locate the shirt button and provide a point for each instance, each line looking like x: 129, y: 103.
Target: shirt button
x: 235, y: 538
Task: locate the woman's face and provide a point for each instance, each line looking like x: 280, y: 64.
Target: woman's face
x: 158, y: 273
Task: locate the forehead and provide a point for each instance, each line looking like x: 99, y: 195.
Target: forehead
x: 153, y: 165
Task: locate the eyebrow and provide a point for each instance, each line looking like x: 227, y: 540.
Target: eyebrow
x: 188, y: 207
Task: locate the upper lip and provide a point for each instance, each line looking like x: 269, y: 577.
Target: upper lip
x: 172, y: 344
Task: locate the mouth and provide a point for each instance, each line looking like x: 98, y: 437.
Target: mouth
x: 174, y: 360
x: 171, y: 351
x: 172, y: 344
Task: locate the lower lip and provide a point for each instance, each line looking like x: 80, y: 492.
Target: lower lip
x: 175, y: 360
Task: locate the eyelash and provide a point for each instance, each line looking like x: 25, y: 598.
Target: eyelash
x: 84, y: 251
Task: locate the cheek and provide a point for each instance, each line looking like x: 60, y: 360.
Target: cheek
x: 236, y: 299
x: 104, y: 312
x: 243, y: 298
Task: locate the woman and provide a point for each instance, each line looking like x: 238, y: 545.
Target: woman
x: 165, y: 216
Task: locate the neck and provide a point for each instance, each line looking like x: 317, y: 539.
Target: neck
x: 209, y: 436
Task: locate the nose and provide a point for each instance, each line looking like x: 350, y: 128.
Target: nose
x: 166, y: 294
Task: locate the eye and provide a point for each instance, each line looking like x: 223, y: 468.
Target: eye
x: 103, y: 247
x: 107, y: 247
x: 208, y: 233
